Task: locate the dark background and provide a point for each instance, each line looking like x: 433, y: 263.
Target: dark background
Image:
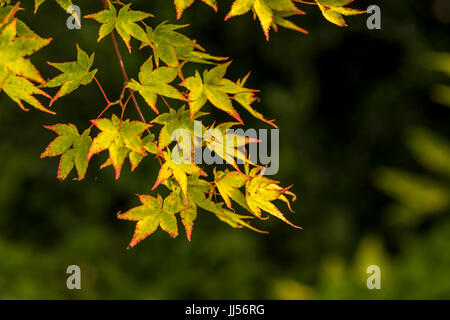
x: 364, y: 139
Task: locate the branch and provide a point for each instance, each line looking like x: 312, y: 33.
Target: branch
x: 122, y: 69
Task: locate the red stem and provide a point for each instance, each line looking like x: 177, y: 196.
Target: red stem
x: 123, y: 70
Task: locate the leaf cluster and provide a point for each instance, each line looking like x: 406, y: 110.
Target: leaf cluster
x: 162, y: 84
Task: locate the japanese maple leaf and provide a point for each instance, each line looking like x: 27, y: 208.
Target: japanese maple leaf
x: 174, y: 120
x: 228, y: 184
x: 179, y: 171
x: 215, y: 89
x: 228, y: 145
x: 197, y: 193
x: 154, y: 82
x: 153, y: 213
x: 136, y: 158
x: 149, y: 146
x: 74, y: 74
x: 247, y: 98
x: 269, y: 12
x: 181, y: 5
x: 118, y: 137
x: 198, y: 189
x: 171, y: 46
x: 63, y: 4
x: 72, y: 147
x: 124, y: 22
x: 335, y: 10
x: 16, y: 70
x: 261, y: 191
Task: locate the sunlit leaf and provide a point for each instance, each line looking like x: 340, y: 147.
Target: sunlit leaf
x: 125, y: 22
x: 72, y: 147
x: 74, y: 74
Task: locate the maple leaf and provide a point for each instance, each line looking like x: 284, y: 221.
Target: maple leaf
x: 228, y: 183
x: 134, y: 157
x: 171, y: 46
x: 17, y: 72
x: 62, y: 3
x: 175, y: 120
x: 334, y: 10
x: 198, y: 188
x: 149, y: 145
x: 7, y: 14
x: 74, y: 74
x: 154, y: 82
x: 72, y: 147
x: 197, y: 191
x: 179, y: 171
x: 246, y: 99
x: 181, y: 5
x: 215, y: 89
x: 279, y: 20
x: 153, y: 213
x: 269, y: 12
x: 118, y: 137
x: 228, y: 145
x: 124, y: 22
x: 261, y: 191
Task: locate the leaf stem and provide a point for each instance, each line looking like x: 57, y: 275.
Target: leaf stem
x: 306, y: 2
x: 123, y: 70
x: 103, y: 91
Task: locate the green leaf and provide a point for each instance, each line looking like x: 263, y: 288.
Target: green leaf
x: 261, y: 191
x: 246, y: 99
x: 335, y: 10
x: 179, y: 171
x: 165, y: 41
x: 7, y: 15
x: 175, y: 120
x: 62, y: 3
x: 74, y: 74
x: 227, y: 145
x: 269, y: 13
x: 16, y: 70
x: 197, y: 94
x: 72, y: 147
x: 124, y: 22
x: 149, y: 145
x: 171, y: 46
x: 279, y: 20
x: 228, y: 184
x: 188, y: 216
x: 154, y: 82
x: 215, y: 89
x: 181, y: 5
x: 197, y: 190
x: 153, y: 213
x: 119, y: 138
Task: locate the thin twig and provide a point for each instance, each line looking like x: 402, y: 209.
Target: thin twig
x: 101, y: 89
x: 123, y: 70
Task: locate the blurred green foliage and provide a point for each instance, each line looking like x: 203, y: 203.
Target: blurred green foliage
x: 364, y: 140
